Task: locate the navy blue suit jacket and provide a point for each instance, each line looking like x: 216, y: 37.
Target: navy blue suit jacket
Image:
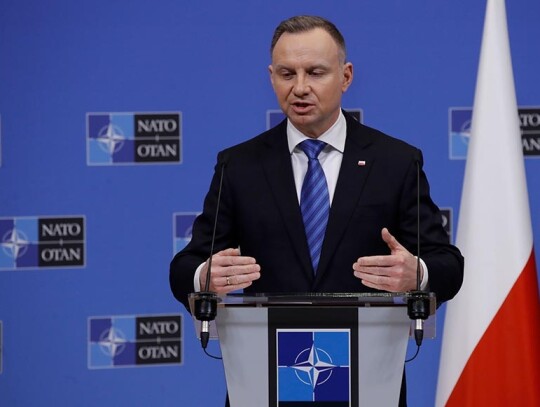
x: 260, y: 213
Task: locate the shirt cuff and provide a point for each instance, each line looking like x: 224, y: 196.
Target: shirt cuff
x: 425, y: 277
x: 196, y: 279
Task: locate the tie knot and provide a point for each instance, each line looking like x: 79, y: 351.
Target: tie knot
x: 312, y: 148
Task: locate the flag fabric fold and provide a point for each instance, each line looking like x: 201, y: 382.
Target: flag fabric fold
x: 491, y: 340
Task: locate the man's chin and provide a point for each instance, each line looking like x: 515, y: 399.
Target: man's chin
x: 301, y: 119
x: 306, y: 127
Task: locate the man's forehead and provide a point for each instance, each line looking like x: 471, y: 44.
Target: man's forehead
x: 315, y: 35
x: 305, y: 45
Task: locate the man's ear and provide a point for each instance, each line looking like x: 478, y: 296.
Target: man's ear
x: 347, y: 76
x: 271, y: 72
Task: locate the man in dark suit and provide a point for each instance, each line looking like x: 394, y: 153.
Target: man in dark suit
x: 371, y: 189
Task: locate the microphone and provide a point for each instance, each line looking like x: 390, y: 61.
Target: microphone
x: 418, y: 300
x: 205, y: 309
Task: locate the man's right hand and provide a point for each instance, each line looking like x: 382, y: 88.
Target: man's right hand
x: 230, y: 271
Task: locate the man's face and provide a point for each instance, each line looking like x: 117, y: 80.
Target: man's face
x: 309, y: 77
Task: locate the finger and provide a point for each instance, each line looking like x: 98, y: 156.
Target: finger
x: 215, y: 261
x: 374, y: 273
x: 220, y: 257
x: 229, y: 288
x: 369, y: 284
x: 239, y: 279
x: 228, y: 252
x: 377, y: 261
x: 384, y: 287
x: 390, y: 240
x: 228, y: 271
x: 379, y: 282
x: 232, y: 283
x: 225, y: 260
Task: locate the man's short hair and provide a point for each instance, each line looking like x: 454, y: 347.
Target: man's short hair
x: 300, y: 24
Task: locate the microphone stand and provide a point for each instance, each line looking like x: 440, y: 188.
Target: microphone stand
x: 205, y: 304
x: 418, y: 300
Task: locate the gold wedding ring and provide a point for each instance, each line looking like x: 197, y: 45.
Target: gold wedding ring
x: 228, y: 281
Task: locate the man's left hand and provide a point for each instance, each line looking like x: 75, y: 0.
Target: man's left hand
x: 395, y: 272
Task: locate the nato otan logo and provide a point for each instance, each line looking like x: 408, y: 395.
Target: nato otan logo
x: 41, y: 242
x: 313, y: 366
x: 460, y: 119
x: 274, y: 116
x: 133, y: 138
x: 182, y: 227
x: 134, y: 341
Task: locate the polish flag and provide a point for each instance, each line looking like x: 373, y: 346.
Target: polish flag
x: 491, y: 340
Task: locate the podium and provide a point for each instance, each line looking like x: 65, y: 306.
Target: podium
x: 294, y: 350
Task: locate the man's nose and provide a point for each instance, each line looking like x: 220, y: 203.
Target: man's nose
x: 301, y: 86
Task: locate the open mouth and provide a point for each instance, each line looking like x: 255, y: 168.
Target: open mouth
x: 301, y: 107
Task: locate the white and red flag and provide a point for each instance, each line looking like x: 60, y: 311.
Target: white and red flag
x: 491, y: 340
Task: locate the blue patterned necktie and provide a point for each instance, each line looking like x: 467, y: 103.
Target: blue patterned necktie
x: 314, y: 200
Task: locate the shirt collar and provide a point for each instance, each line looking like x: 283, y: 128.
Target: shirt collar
x: 334, y: 136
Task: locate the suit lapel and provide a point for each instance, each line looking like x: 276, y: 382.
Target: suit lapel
x: 276, y: 160
x: 356, y: 165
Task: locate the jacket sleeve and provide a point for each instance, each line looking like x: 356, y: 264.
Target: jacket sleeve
x: 184, y: 264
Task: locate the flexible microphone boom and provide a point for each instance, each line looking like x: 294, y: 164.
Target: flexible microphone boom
x: 205, y: 309
x: 418, y: 300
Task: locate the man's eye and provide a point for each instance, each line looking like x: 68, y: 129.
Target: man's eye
x: 287, y: 75
x: 317, y: 73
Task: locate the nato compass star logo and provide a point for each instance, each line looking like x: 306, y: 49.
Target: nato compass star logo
x: 111, y: 138
x: 19, y: 244
x: 112, y: 342
x: 313, y: 366
x: 14, y: 243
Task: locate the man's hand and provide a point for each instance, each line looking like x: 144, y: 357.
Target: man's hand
x: 230, y: 271
x: 395, y: 272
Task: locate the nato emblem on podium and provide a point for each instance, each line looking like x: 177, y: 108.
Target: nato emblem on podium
x: 312, y: 363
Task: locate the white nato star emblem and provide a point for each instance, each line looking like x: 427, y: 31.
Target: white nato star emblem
x: 111, y: 138
x: 15, y: 243
x: 313, y: 366
x: 112, y: 342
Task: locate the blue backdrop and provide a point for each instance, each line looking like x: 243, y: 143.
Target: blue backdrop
x: 205, y: 65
